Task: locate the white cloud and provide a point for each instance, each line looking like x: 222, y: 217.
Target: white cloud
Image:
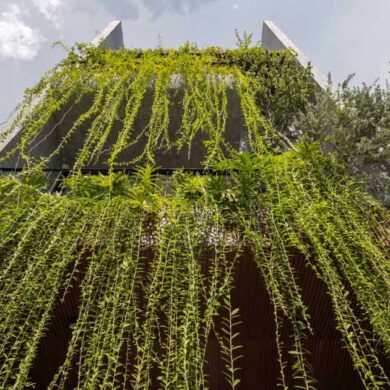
x: 159, y: 7
x: 18, y: 40
x: 235, y: 6
x: 132, y: 9
x: 51, y: 9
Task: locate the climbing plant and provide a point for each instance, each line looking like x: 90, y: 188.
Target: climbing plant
x: 155, y: 257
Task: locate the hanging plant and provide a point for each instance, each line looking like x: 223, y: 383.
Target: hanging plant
x: 155, y: 257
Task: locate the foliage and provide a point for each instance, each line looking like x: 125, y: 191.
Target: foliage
x: 357, y: 122
x: 155, y: 257
x: 110, y: 88
x: 244, y: 41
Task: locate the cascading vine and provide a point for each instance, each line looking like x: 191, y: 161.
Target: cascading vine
x: 155, y: 257
x: 112, y: 86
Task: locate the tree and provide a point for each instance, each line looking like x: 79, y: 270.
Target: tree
x: 356, y: 120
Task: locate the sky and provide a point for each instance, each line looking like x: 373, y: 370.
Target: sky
x: 338, y: 36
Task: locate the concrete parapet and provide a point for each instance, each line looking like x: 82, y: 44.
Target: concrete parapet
x: 111, y: 37
x: 273, y: 38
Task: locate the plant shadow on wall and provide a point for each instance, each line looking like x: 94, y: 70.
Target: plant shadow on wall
x: 159, y: 311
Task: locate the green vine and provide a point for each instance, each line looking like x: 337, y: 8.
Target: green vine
x: 155, y: 257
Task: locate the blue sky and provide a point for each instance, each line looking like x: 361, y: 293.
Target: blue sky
x: 341, y: 37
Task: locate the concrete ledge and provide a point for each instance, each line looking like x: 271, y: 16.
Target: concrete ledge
x: 273, y: 38
x: 111, y: 37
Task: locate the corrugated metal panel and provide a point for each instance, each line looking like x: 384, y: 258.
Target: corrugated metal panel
x: 331, y: 362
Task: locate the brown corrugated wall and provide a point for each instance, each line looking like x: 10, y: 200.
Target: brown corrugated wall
x: 332, y: 365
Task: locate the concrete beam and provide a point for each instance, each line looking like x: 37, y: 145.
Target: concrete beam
x: 273, y: 38
x: 111, y: 37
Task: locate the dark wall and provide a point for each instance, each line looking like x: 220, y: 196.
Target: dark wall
x: 332, y: 365
x: 62, y: 122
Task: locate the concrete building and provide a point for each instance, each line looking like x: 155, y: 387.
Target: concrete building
x: 112, y: 38
x: 331, y: 361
